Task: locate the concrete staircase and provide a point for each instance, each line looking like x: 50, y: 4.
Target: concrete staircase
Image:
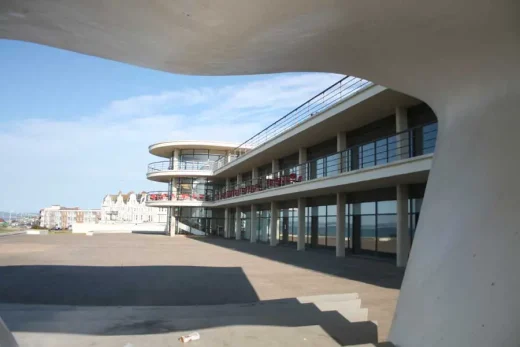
x: 323, y: 320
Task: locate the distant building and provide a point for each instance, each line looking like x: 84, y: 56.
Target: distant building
x: 130, y: 208
x: 57, y: 216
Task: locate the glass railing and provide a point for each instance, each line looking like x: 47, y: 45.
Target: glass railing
x: 181, y: 165
x: 407, y: 144
x: 338, y: 92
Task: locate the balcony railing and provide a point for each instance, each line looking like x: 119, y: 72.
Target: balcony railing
x: 410, y: 143
x: 158, y: 196
x: 403, y: 145
x: 181, y: 165
x: 340, y: 91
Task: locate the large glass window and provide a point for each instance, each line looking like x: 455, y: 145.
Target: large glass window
x: 245, y: 225
x: 376, y: 226
x: 189, y: 188
x: 264, y: 220
x: 321, y: 226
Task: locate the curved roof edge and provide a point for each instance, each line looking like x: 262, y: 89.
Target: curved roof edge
x: 164, y: 149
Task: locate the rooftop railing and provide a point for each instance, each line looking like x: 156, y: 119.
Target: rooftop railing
x: 338, y: 92
x: 181, y: 165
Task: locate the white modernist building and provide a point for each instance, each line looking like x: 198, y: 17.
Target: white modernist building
x: 461, y: 57
x: 60, y: 217
x: 346, y: 170
x: 130, y: 208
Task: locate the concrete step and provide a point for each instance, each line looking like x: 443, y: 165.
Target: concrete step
x: 327, y: 298
x: 337, y: 305
x: 323, y: 321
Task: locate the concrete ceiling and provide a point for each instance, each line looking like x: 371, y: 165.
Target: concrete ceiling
x: 408, y: 45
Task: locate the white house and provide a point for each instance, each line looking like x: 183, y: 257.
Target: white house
x: 130, y: 208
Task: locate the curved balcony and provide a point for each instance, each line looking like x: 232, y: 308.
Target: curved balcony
x: 163, y: 171
x: 165, y: 198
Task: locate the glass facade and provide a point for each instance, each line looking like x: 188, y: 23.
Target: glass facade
x: 264, y: 225
x: 288, y: 224
x: 200, y: 155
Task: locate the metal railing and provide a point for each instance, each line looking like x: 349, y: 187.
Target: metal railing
x: 341, y: 90
x: 181, y: 165
x: 169, y: 196
x: 407, y: 144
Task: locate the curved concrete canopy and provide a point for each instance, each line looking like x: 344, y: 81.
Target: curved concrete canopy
x: 462, y: 57
x: 165, y: 149
x: 396, y: 43
x: 167, y: 175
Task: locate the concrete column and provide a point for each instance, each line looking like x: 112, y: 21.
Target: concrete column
x: 275, y: 211
x: 226, y: 223
x: 238, y: 223
x: 284, y: 236
x: 302, y: 158
x: 254, y: 175
x: 341, y: 145
x: 301, y: 224
x: 173, y: 191
x: 176, y: 156
x: 254, y: 224
x: 228, y: 185
x: 340, y: 224
x: 173, y: 225
x: 401, y: 124
x: 239, y: 181
x: 275, y: 165
x: 403, y: 234
x: 341, y: 141
x: 228, y: 156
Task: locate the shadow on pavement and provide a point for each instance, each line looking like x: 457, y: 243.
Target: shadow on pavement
x: 127, y: 321
x: 379, y: 273
x: 128, y: 285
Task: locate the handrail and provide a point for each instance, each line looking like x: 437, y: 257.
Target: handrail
x: 383, y: 150
x: 406, y: 144
x: 341, y: 90
x: 166, y: 165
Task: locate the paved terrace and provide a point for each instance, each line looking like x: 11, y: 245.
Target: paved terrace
x: 140, y: 270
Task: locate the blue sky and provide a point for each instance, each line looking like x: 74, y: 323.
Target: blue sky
x: 75, y: 127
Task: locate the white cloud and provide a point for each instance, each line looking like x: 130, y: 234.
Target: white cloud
x: 76, y: 161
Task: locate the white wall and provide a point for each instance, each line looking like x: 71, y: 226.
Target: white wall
x: 117, y: 227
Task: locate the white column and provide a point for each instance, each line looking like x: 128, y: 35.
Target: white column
x: 254, y: 175
x: 238, y: 223
x: 341, y: 145
x: 226, y: 223
x: 340, y: 224
x: 302, y: 158
x: 173, y: 223
x: 461, y: 281
x: 401, y: 124
x: 301, y: 224
x: 403, y: 233
x: 176, y: 156
x: 254, y: 223
x: 228, y: 156
x: 275, y: 165
x: 341, y: 141
x: 239, y: 181
x: 228, y: 184
x: 275, y: 211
